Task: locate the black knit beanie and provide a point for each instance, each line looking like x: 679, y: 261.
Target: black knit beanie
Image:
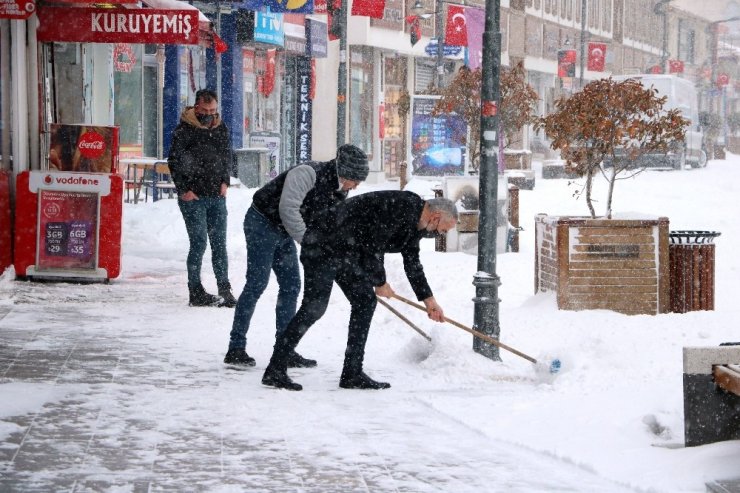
x: 352, y: 163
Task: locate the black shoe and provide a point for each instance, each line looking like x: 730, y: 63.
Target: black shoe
x: 199, y: 297
x: 224, y: 291
x: 361, y: 381
x: 238, y: 357
x: 295, y: 360
x: 279, y: 379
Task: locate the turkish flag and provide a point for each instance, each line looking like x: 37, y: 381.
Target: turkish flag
x: 415, y: 29
x: 268, y: 81
x: 457, y: 31
x: 675, y: 66
x: 596, y: 57
x: 369, y: 8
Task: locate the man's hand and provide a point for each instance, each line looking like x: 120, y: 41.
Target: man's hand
x: 385, y: 291
x: 224, y: 187
x: 188, y: 196
x: 434, y: 311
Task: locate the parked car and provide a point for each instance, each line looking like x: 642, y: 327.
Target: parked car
x: 681, y: 94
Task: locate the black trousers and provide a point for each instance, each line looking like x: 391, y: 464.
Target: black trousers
x: 320, y: 270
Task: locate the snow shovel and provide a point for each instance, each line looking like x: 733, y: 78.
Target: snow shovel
x: 408, y: 322
x: 553, y: 367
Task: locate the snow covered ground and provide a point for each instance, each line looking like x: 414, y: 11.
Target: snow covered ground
x: 611, y: 420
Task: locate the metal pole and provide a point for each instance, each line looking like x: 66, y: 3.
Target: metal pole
x: 342, y: 77
x: 583, y: 43
x: 440, y: 43
x: 486, y: 281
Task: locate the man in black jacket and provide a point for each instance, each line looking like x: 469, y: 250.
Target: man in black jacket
x: 346, y: 244
x: 200, y: 162
x: 277, y: 219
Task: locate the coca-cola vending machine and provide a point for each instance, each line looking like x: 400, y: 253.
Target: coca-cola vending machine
x: 68, y: 219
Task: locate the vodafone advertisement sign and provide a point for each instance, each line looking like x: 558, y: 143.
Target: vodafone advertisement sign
x: 130, y: 25
x: 74, y: 182
x: 17, y: 9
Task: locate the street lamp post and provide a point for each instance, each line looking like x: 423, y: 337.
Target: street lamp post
x: 341, y: 18
x: 440, y: 43
x: 486, y: 281
x: 583, y: 43
x: 713, y: 28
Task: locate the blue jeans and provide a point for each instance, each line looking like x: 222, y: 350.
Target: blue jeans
x: 205, y: 219
x: 268, y: 248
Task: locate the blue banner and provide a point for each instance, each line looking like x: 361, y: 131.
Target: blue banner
x: 268, y: 28
x: 283, y: 6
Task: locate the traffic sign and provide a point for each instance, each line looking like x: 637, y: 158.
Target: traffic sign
x: 431, y: 49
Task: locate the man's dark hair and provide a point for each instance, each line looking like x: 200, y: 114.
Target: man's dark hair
x: 205, y: 95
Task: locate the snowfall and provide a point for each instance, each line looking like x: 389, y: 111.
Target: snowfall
x: 611, y: 420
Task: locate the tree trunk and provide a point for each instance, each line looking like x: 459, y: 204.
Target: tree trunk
x: 589, y: 182
x: 609, y: 194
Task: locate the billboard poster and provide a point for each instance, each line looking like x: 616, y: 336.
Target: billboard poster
x: 437, y: 142
x: 83, y: 148
x: 67, y: 230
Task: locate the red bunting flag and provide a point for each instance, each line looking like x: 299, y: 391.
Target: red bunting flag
x: 457, y: 31
x: 219, y: 44
x: 334, y: 10
x: 596, y: 57
x: 414, y: 29
x: 675, y: 66
x: 369, y: 8
x: 268, y: 82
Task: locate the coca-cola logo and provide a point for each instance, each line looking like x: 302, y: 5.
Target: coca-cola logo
x: 91, y: 145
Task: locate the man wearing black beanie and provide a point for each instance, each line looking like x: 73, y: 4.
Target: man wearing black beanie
x: 279, y: 215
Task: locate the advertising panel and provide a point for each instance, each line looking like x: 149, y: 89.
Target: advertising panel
x: 268, y: 28
x: 68, y: 226
x: 17, y: 9
x: 83, y: 148
x: 437, y: 142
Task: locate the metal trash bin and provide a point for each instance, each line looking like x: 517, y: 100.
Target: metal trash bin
x: 252, y: 165
x: 691, y: 270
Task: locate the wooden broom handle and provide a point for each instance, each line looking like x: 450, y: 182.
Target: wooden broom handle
x: 479, y: 335
x: 409, y: 322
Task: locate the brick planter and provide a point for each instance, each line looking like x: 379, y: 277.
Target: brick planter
x: 613, y: 264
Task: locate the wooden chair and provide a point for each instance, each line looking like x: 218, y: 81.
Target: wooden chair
x: 160, y: 181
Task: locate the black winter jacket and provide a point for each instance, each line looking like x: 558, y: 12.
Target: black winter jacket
x: 365, y: 227
x: 200, y: 158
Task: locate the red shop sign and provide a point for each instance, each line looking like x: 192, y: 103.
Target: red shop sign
x: 17, y: 9
x: 86, y: 25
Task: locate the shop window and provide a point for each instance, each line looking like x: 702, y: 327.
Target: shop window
x: 149, y: 117
x: 361, y: 112
x: 127, y: 79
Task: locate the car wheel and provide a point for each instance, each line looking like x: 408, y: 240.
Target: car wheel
x: 702, y: 162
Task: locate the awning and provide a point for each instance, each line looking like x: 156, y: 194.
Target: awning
x: 166, y: 22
